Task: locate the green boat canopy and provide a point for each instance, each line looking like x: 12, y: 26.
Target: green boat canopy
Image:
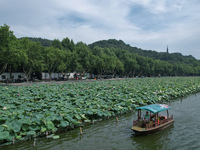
x: 154, y: 108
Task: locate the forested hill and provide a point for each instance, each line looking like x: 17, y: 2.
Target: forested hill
x: 115, y: 44
x: 171, y: 57
x: 44, y: 42
x: 119, y: 44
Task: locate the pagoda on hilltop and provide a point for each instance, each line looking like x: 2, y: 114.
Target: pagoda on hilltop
x: 167, y: 50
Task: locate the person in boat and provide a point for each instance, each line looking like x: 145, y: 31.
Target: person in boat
x: 152, y: 118
x: 147, y: 116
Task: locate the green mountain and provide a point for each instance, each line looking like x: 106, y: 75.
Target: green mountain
x: 165, y: 56
x: 44, y: 42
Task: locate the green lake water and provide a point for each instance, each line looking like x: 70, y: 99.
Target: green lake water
x: 109, y: 135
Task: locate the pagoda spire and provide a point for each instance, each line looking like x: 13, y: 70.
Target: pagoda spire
x: 167, y: 49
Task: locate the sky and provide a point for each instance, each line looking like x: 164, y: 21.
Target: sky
x: 146, y: 24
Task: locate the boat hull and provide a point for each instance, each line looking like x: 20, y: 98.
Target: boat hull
x: 143, y: 131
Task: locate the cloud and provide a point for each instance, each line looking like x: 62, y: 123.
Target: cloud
x: 148, y: 24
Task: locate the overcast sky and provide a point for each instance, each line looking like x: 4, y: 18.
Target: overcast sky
x: 146, y: 24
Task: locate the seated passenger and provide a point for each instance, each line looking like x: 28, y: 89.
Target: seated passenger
x: 147, y: 116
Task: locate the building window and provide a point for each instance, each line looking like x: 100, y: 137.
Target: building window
x: 3, y: 77
x: 19, y: 76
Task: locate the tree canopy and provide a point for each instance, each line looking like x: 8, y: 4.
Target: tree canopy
x: 107, y: 57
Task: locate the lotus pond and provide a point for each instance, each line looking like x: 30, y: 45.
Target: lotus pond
x: 42, y: 109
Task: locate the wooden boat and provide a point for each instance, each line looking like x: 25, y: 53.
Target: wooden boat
x: 155, y: 122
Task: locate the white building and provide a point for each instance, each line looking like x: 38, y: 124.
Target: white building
x: 15, y: 76
x: 54, y: 76
x: 20, y: 76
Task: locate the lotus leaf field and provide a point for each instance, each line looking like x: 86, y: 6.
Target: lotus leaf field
x: 37, y: 109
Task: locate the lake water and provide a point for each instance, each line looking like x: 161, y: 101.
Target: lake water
x: 107, y: 135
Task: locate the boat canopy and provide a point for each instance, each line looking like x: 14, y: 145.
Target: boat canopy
x: 154, y: 108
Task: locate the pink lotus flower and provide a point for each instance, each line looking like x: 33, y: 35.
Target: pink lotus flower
x: 108, y: 108
x: 18, y: 94
x: 4, y: 108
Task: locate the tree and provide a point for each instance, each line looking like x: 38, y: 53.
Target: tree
x: 14, y: 56
x: 144, y: 65
x: 67, y: 44
x: 151, y: 63
x: 100, y: 57
x: 56, y: 44
x: 119, y: 67
x: 6, y: 37
x: 113, y: 64
x: 53, y: 58
x: 31, y: 57
x: 93, y: 63
x: 65, y: 65
x: 159, y: 67
x: 84, y: 57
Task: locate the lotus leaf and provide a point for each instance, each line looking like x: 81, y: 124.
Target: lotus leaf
x: 39, y: 116
x: 77, y: 116
x: 21, y: 116
x: 87, y: 121
x: 9, y: 138
x: 50, y: 125
x: 4, y: 135
x: 31, y: 132
x: 53, y: 108
x: 50, y: 136
x: 68, y: 117
x: 54, y: 130
x: 26, y: 120
x: 25, y: 127
x: 58, y: 117
x: 1, y: 128
x: 43, y: 128
x: 34, y: 127
x: 64, y: 123
x: 50, y: 118
x: 83, y: 116
x: 100, y: 113
x: 76, y: 122
x: 89, y: 112
x: 23, y: 133
x: 16, y: 126
x: 56, y: 137
x: 36, y: 120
